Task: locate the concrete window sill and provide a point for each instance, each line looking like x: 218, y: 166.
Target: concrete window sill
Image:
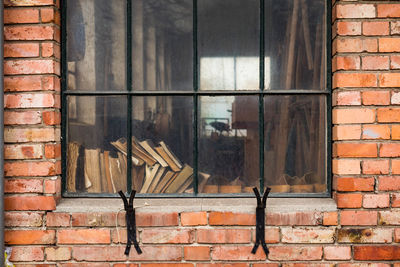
x: 242, y: 205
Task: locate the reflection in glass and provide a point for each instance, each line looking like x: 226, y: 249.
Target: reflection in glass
x: 295, y: 42
x: 93, y: 163
x: 295, y: 143
x: 228, y: 44
x: 96, y: 45
x: 162, y: 45
x: 228, y: 145
x: 162, y: 144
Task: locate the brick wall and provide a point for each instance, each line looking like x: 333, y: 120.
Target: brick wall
x: 366, y: 165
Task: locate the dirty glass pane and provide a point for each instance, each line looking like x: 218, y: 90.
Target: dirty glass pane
x: 228, y: 144
x: 96, y: 45
x: 295, y: 35
x: 162, y: 45
x: 228, y: 44
x: 94, y: 165
x: 162, y: 144
x: 295, y: 143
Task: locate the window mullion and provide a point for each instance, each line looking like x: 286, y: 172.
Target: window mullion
x: 195, y: 100
x: 261, y: 97
x: 129, y: 96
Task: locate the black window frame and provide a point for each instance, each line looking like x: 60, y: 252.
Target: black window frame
x: 196, y: 93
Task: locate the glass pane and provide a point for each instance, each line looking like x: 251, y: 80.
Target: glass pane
x: 295, y: 44
x: 96, y: 37
x: 162, y: 146
x: 228, y: 44
x: 228, y: 144
x: 162, y: 45
x: 295, y: 143
x: 94, y: 165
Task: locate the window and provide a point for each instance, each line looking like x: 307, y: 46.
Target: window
x: 210, y: 95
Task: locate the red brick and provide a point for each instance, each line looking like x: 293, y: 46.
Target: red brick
x: 395, y: 132
x: 48, y: 15
x: 376, y: 97
x: 26, y: 15
x: 51, y: 83
x: 51, y: 117
x: 29, y: 203
x: 395, y: 166
x: 395, y: 200
x: 355, y: 184
x: 22, y: 83
x: 348, y: 28
x: 52, y: 151
x: 271, y: 235
x: 388, y: 114
x: 389, y: 45
x: 349, y: 217
x: 30, y: 101
x: 294, y: 218
x: 21, y: 135
x: 116, y: 253
x: 373, y: 201
x: 308, y: 235
x: 375, y: 28
x: 349, y: 200
x: 375, y: 166
x: 197, y: 253
x: 346, y: 63
x: 346, y: 132
x: 308, y: 264
x: 50, y: 50
x: 43, y: 168
x: 23, y: 186
x: 389, y: 79
x: 31, y: 66
x: 295, y: 253
x: 125, y: 265
x: 394, y: 27
x: 395, y: 98
x: 28, y: 2
x: 347, y: 98
x: 84, y: 236
x: 23, y: 151
x: 52, y: 186
x: 232, y: 265
x: 21, y: 118
x: 97, y: 219
x: 29, y: 33
x: 376, y: 253
x: 337, y: 253
x: 157, y: 219
x: 395, y: 61
x: 170, y: 236
x: 21, y: 219
x: 346, y: 166
x: 236, y: 253
x: 167, y: 265
x: 389, y: 183
x: 193, y: 218
x: 389, y: 217
x: 364, y: 235
x: 388, y: 10
x: 22, y: 253
x: 354, y: 80
x: 230, y: 218
x: 353, y: 150
x: 57, y: 219
x: 389, y: 150
x: 21, y: 50
x: 92, y: 264
x: 355, y: 11
x: 376, y: 131
x: 58, y: 253
x: 223, y: 235
x: 330, y: 218
x: 353, y: 45
x: 29, y: 237
x: 353, y: 115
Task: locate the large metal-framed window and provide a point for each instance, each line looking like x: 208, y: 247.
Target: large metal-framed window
x: 274, y: 91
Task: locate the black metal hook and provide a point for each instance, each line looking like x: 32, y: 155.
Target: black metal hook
x: 130, y: 222
x: 260, y: 220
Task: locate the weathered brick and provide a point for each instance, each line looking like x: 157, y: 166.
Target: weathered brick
x: 57, y: 219
x: 389, y: 79
x: 84, y: 236
x: 346, y: 63
x: 29, y: 237
x: 28, y: 2
x: 355, y: 11
x: 330, y: 218
x: 395, y: 60
x: 22, y: 83
x: 388, y: 45
x: 29, y: 203
x: 171, y: 236
x: 223, y: 235
x: 43, y: 168
x: 157, y: 219
x: 395, y: 98
x: 231, y: 265
x: 375, y: 166
x: 349, y: 98
x: 197, y: 253
x: 337, y: 253
x: 23, y: 186
x: 308, y: 235
x: 21, y: 118
x: 34, y: 151
x: 21, y: 135
x: 388, y: 114
x: 58, y: 253
x: 375, y: 28
x: 389, y: 150
x: 395, y: 132
x: 51, y: 117
x: 354, y: 80
x: 29, y: 100
x: 395, y: 166
x: 230, y: 218
x: 389, y: 183
x: 346, y: 166
x: 25, y: 253
x: 389, y: 217
x: 50, y: 50
x: 52, y: 186
x: 376, y: 97
x: 365, y: 235
x: 52, y: 151
x: 353, y: 115
x: 21, y: 219
x: 395, y: 200
x: 31, y: 66
x: 349, y: 200
x: 294, y: 218
x: 354, y: 45
x: 295, y: 253
x: 25, y: 15
x: 193, y: 218
x: 272, y: 235
x: 236, y: 253
x: 373, y: 201
x: 376, y: 131
x: 354, y: 150
x: 377, y: 253
x: 397, y: 235
x: 97, y: 219
x: 388, y: 10
x: 360, y: 217
x: 355, y: 184
x: 21, y: 50
x: 348, y: 28
x: 29, y: 32
x: 346, y: 132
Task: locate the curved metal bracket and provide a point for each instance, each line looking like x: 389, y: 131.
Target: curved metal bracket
x: 260, y: 220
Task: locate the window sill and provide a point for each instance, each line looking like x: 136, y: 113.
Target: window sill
x: 242, y: 205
